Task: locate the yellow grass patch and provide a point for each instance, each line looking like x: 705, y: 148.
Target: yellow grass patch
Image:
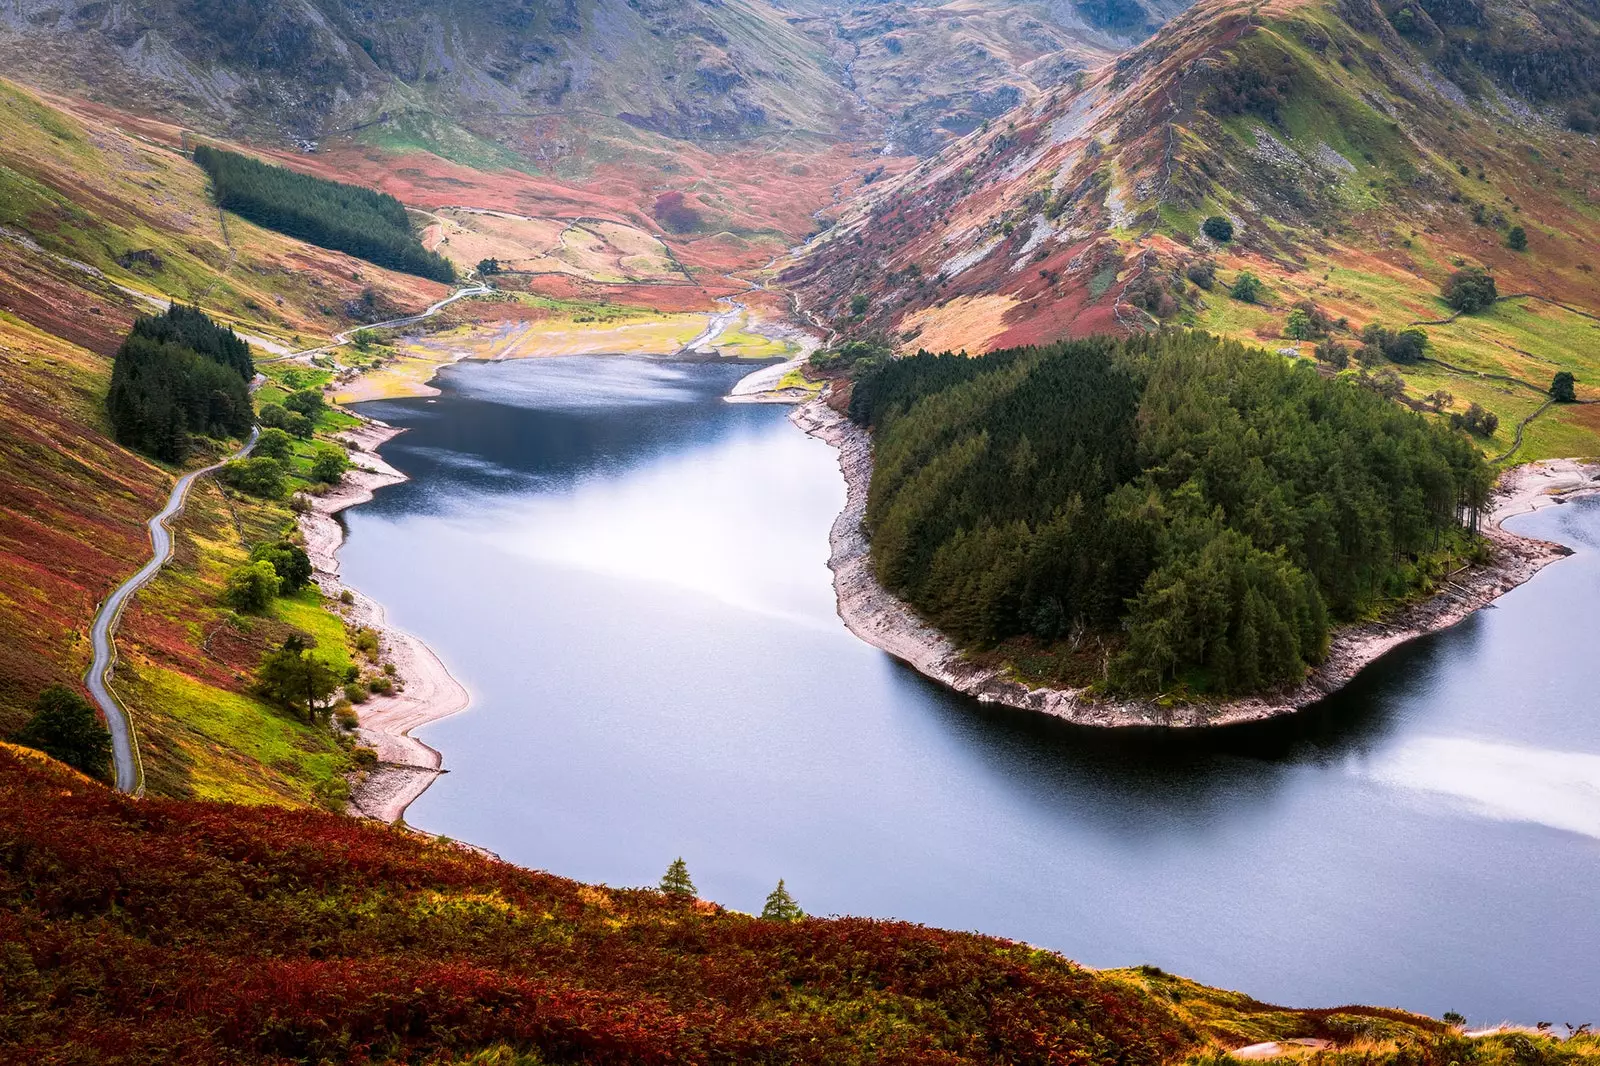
x: 967, y: 322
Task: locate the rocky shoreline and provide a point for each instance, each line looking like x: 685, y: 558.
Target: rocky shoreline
x: 406, y: 766
x: 881, y: 619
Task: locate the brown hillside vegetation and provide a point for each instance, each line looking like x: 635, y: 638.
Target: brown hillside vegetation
x: 160, y: 931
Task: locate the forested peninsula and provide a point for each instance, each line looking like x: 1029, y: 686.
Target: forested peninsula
x: 1172, y: 514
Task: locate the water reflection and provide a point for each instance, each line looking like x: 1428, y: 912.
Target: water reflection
x: 637, y: 594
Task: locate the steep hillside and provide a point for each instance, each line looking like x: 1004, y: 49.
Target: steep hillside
x: 933, y: 71
x: 157, y: 932
x: 1360, y: 154
x: 96, y: 227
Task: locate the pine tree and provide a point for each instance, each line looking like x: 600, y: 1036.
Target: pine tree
x: 781, y: 906
x: 676, y: 881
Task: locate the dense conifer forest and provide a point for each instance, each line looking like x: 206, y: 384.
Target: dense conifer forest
x: 1214, y: 507
x: 348, y: 218
x: 176, y: 375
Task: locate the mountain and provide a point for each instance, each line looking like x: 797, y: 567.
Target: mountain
x: 304, y: 68
x: 934, y: 71
x: 706, y: 71
x: 1360, y: 151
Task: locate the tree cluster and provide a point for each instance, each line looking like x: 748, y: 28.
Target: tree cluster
x: 363, y: 222
x: 1477, y: 420
x: 1213, y: 504
x: 175, y: 376
x: 1399, y: 346
x: 1470, y: 290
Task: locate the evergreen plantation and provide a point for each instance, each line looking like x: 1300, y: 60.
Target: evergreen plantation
x: 176, y: 375
x: 1212, y: 506
x: 348, y: 218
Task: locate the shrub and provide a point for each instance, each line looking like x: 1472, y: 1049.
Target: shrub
x: 1517, y: 239
x: 250, y: 587
x: 1564, y: 387
x: 1203, y: 273
x: 487, y: 267
x: 274, y: 443
x: 1469, y: 290
x: 355, y: 692
x: 307, y: 402
x: 330, y: 463
x: 1246, y: 287
x: 256, y: 476
x: 1299, y: 326
x: 289, y: 561
x: 1477, y: 421
x: 64, y: 726
x: 1218, y: 228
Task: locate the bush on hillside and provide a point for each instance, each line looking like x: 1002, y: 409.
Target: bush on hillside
x: 1476, y: 420
x: 289, y: 561
x: 251, y: 587
x: 64, y: 726
x: 1218, y: 228
x: 1564, y: 387
x: 1470, y: 290
x: 330, y: 464
x: 274, y: 443
x: 1246, y: 287
x: 257, y: 476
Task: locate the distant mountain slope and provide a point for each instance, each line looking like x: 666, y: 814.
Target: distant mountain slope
x: 934, y: 70
x: 304, y: 67
x: 1362, y: 151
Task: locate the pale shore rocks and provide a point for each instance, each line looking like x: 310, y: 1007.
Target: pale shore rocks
x: 406, y: 766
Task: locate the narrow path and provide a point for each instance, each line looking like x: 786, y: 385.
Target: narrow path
x: 343, y: 336
x: 124, y: 746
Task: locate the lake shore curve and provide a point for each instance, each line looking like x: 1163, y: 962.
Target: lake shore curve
x: 881, y: 619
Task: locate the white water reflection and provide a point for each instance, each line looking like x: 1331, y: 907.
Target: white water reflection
x: 1492, y: 779
x: 683, y: 521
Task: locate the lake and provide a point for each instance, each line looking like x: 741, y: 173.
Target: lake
x: 629, y: 575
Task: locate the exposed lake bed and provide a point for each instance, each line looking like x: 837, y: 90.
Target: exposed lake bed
x: 631, y: 577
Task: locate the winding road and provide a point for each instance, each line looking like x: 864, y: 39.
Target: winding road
x: 124, y: 748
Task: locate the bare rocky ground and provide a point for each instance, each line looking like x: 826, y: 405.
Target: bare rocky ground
x: 875, y: 615
x: 406, y: 766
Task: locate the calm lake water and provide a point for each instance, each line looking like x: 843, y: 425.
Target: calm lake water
x: 629, y: 575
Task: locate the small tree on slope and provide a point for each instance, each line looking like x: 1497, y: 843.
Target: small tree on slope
x: 781, y: 906
x: 65, y: 727
x: 676, y: 880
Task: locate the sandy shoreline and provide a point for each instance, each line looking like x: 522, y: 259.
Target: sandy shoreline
x: 406, y: 766
x: 875, y: 615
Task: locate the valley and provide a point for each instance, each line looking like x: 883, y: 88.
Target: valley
x: 1208, y: 584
